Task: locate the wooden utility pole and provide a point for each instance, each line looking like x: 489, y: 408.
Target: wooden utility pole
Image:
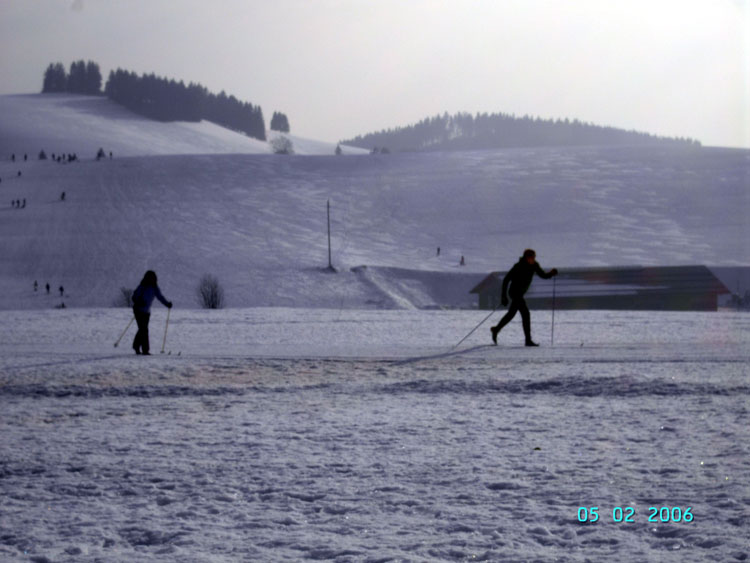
x: 328, y: 209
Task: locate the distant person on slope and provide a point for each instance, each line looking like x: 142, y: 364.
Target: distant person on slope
x: 143, y: 297
x: 519, y: 278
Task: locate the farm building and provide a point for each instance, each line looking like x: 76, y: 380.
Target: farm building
x: 667, y: 288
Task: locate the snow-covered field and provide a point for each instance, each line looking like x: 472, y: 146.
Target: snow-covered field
x: 350, y: 435
x: 328, y: 416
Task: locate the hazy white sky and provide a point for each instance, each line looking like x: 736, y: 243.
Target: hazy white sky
x: 339, y: 68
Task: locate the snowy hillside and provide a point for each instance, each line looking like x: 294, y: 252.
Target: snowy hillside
x: 258, y: 221
x: 65, y: 123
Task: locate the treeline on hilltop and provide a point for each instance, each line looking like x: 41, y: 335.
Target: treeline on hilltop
x: 279, y: 122
x: 162, y: 99
x: 167, y: 100
x: 83, y: 78
x: 464, y: 131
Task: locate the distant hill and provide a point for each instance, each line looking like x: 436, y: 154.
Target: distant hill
x: 72, y: 123
x: 160, y: 98
x: 257, y: 221
x: 464, y: 131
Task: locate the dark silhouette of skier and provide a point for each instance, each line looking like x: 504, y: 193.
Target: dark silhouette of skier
x: 143, y: 297
x: 519, y: 278
x: 47, y: 287
x: 62, y: 291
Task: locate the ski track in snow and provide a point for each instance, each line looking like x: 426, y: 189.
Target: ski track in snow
x: 286, y: 434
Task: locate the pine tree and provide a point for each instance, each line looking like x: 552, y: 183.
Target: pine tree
x: 77, y: 78
x: 93, y: 84
x: 279, y: 122
x: 55, y: 79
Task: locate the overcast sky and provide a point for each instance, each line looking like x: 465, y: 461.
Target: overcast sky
x: 339, y: 68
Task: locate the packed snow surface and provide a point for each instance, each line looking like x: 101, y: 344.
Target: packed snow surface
x: 349, y: 435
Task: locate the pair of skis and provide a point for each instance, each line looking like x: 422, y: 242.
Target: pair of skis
x: 164, y: 340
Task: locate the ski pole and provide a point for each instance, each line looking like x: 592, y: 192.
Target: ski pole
x: 164, y: 342
x: 476, y: 327
x: 124, y: 331
x: 554, y: 280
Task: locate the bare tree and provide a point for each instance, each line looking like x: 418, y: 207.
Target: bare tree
x: 210, y: 293
x: 282, y: 145
x: 125, y: 298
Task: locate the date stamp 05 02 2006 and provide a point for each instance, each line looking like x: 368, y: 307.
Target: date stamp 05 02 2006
x: 627, y: 515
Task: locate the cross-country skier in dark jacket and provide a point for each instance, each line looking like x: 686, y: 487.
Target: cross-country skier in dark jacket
x: 519, y: 278
x: 143, y: 297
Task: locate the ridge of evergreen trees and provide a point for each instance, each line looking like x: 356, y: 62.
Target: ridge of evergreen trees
x: 159, y: 98
x: 279, y: 122
x: 464, y: 131
x: 167, y: 100
x: 83, y: 78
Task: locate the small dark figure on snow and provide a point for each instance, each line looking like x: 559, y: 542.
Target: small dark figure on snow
x: 19, y: 173
x: 519, y: 278
x: 143, y: 297
x: 47, y: 287
x: 463, y: 261
x: 62, y: 291
x: 36, y: 285
x: 62, y: 196
x: 438, y: 251
x: 100, y: 154
x: 24, y: 203
x: 13, y: 157
x: 25, y: 157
